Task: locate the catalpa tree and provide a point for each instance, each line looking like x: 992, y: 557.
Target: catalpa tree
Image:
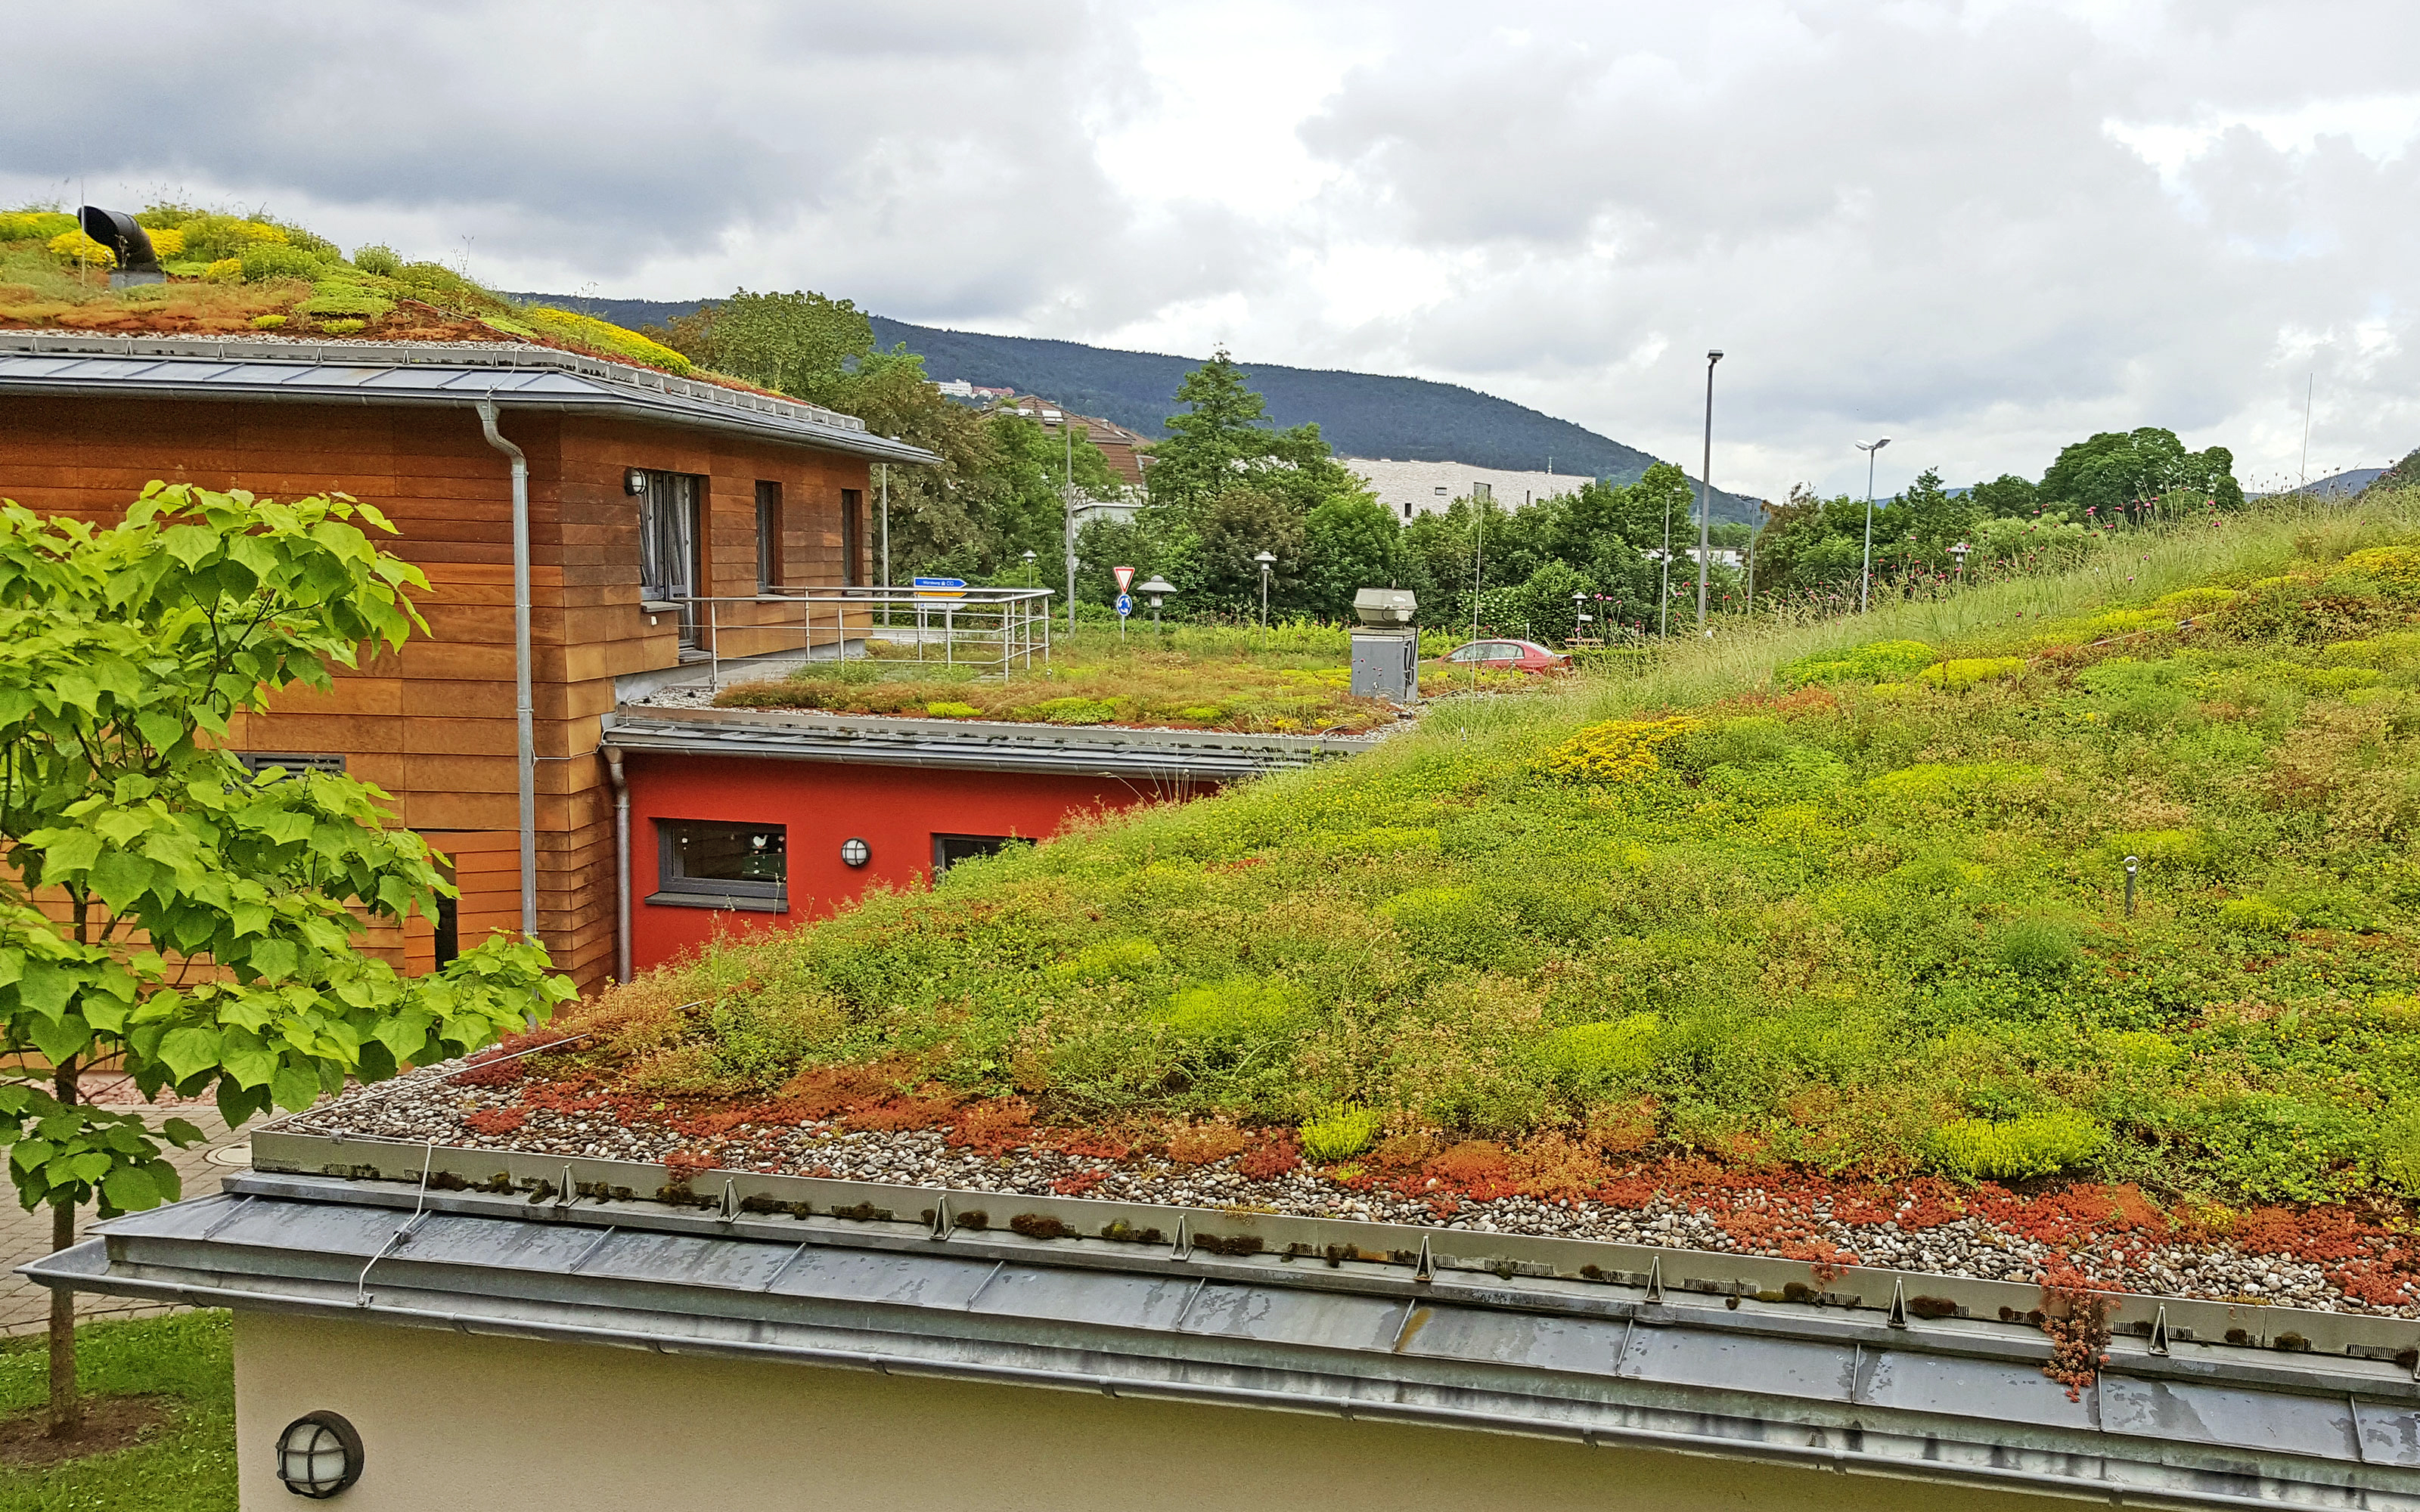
x: 170, y: 916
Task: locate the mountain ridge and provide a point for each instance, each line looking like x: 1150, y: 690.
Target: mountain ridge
x: 1360, y: 414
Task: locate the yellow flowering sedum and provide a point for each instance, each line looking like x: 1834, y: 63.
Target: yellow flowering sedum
x: 78, y: 247
x: 1617, y: 751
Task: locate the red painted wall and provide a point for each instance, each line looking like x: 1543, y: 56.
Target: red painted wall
x: 896, y: 810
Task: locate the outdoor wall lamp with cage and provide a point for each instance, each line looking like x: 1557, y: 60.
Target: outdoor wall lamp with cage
x: 634, y: 480
x: 855, y: 851
x: 318, y: 1455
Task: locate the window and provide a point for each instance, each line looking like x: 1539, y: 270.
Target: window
x: 852, y: 536
x: 949, y: 850
x: 668, y: 545
x: 295, y: 762
x: 768, y: 536
x: 711, y: 863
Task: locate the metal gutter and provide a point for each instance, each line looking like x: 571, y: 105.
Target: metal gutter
x: 72, y: 1268
x: 974, y: 745
x: 1356, y: 1335
x: 409, y: 375
x: 524, y: 725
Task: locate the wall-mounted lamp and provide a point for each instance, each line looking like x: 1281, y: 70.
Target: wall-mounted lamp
x: 634, y: 480
x: 318, y: 1455
x: 855, y: 851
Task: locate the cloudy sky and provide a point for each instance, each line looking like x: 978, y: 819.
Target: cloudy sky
x: 1983, y: 230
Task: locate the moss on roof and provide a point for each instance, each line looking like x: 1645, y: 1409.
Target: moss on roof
x: 231, y: 276
x: 1781, y: 905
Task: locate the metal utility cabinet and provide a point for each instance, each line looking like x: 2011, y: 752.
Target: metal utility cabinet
x: 1386, y: 647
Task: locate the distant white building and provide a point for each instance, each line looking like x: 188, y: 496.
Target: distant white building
x: 1414, y: 488
x: 956, y: 387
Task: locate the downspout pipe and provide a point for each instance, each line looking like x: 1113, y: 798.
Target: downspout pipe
x: 621, y: 862
x: 525, y: 748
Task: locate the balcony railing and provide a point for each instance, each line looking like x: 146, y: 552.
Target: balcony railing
x: 998, y: 631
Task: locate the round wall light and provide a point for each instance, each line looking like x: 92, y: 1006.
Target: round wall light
x: 856, y: 852
x: 318, y: 1455
x: 635, y: 481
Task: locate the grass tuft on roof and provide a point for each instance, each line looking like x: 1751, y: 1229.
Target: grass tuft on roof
x: 1801, y: 898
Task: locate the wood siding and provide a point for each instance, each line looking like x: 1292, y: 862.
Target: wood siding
x: 434, y: 723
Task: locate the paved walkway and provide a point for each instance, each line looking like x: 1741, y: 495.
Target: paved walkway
x: 25, y: 1308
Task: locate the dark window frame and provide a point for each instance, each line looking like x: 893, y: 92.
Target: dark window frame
x: 675, y: 888
x: 852, y: 537
x: 768, y: 535
x: 972, y: 848
x: 295, y: 762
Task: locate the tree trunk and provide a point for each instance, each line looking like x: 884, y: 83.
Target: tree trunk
x: 66, y: 1408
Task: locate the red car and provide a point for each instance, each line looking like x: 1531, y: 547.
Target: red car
x: 1505, y: 656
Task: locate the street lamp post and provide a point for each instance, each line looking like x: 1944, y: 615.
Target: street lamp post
x: 1032, y: 574
x: 1266, y: 561
x: 1706, y: 493
x: 1865, y: 576
x: 1959, y: 553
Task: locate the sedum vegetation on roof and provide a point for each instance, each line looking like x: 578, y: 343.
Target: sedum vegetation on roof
x: 1847, y: 899
x: 256, y: 275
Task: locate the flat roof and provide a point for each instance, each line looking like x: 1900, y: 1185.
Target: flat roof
x: 973, y: 745
x: 516, y: 376
x: 1440, y: 1328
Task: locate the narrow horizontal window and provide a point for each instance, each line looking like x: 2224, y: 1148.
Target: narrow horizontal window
x: 712, y: 863
x: 295, y: 762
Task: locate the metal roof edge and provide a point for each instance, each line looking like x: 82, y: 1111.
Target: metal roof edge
x: 977, y: 745
x: 487, y: 1274
x: 662, y: 398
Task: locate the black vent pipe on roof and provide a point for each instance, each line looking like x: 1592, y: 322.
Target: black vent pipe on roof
x: 124, y: 237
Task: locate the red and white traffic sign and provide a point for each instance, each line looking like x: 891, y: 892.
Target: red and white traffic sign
x: 1125, y: 578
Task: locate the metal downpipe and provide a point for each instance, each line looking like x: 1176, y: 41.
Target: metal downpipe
x: 523, y: 716
x: 621, y: 862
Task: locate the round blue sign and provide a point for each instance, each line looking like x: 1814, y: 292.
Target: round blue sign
x: 1125, y: 605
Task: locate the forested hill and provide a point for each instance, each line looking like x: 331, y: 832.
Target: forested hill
x: 1361, y: 414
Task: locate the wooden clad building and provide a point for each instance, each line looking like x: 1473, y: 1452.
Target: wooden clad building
x: 646, y: 493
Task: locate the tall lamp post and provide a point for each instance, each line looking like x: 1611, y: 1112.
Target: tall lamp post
x: 1959, y: 551
x: 1266, y: 561
x: 1866, y: 578
x: 1033, y: 575
x: 1706, y: 492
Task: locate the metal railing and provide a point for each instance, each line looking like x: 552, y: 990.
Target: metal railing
x: 998, y: 631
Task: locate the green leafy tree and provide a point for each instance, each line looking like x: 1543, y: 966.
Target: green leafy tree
x: 2116, y: 471
x: 800, y: 343
x: 1349, y: 544
x: 201, y: 932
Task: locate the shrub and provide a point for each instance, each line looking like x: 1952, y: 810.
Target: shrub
x: 1590, y: 1055
x: 2399, y: 564
x: 1878, y: 662
x: 945, y: 709
x: 75, y: 247
x: 265, y: 260
x: 1965, y: 672
x: 1340, y: 1131
x: 225, y: 270
x: 1074, y: 711
x: 267, y: 322
x: 589, y: 334
x: 2037, y: 948
x: 382, y: 261
x: 342, y: 328
x: 35, y: 225
x: 1234, y: 1012
x: 2044, y: 1144
x: 346, y: 300
x: 1617, y: 751
x: 214, y: 238
x: 2255, y: 916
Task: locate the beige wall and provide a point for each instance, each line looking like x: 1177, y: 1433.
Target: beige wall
x: 469, y: 1424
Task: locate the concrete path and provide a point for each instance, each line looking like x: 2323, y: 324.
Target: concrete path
x: 25, y: 1308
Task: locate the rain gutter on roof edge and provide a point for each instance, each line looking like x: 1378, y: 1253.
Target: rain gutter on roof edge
x: 67, y: 1268
x: 288, y: 1163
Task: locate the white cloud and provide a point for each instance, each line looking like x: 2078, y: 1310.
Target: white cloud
x: 1988, y: 227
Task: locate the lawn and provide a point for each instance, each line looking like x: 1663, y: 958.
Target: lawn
x: 1845, y: 899
x: 1294, y: 679
x: 185, y: 1464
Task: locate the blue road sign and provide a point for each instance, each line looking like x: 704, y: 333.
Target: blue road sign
x: 1125, y: 605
